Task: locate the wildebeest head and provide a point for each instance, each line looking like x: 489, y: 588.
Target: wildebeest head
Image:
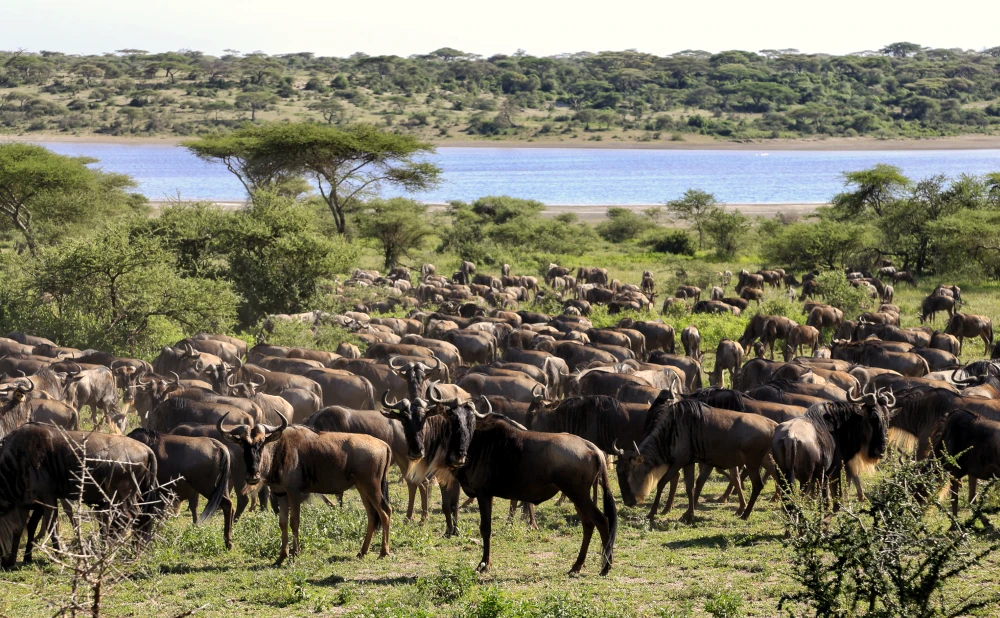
x: 252, y: 441
x: 627, y: 466
x: 412, y: 417
x: 876, y: 407
x: 14, y: 408
x: 245, y: 389
x: 415, y: 373
x: 460, y: 424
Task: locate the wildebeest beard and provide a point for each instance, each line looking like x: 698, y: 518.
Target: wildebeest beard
x: 860, y: 431
x: 660, y: 442
x: 436, y: 438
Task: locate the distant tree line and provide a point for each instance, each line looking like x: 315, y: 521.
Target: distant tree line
x: 903, y: 89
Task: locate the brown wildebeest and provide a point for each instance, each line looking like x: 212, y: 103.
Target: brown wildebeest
x: 831, y: 437
x: 729, y: 355
x: 964, y: 325
x: 648, y: 284
x: 690, y: 367
x: 801, y: 336
x: 689, y: 432
x: 752, y: 294
x: 968, y: 445
x: 691, y: 340
x: 193, y: 467
x: 487, y: 456
x: 689, y: 291
x: 305, y: 462
x: 935, y: 303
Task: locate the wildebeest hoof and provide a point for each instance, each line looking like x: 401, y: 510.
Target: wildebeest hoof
x: 483, y: 567
x: 279, y: 561
x: 576, y: 569
x: 606, y: 569
x: 382, y: 554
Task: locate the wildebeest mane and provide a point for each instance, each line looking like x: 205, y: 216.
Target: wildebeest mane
x: 13, y: 414
x: 589, y: 417
x: 661, y: 440
x: 919, y: 409
x: 718, y: 397
x: 149, y: 437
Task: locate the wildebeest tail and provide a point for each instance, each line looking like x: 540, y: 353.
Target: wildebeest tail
x: 385, y: 486
x: 610, y: 511
x: 222, y: 488
x: 152, y: 497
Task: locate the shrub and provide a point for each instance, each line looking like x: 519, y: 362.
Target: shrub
x: 450, y: 584
x: 623, y: 224
x: 725, y: 605
x: 891, y: 555
x: 836, y: 291
x: 677, y: 242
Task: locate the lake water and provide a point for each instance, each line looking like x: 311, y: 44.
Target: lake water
x: 571, y: 175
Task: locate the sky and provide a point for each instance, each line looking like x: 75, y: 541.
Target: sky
x: 540, y: 27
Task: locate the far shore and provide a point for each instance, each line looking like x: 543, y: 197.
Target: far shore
x: 692, y: 142
x: 595, y: 213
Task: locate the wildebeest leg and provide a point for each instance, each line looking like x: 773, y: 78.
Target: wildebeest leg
x: 669, y: 477
x: 956, y: 484
x: 856, y: 480
x: 671, y: 494
x: 283, y: 522
x: 425, y: 499
x: 528, y: 513
x: 412, y: 489
x: 467, y: 502
x: 449, y: 504
x: 736, y: 482
x: 689, y: 487
x: 241, y: 503
x: 512, y: 510
x: 972, y: 489
x: 562, y: 498
x: 372, y: 513
x: 485, y: 529
x: 227, y: 515
x: 589, y: 516
x: 294, y: 503
x: 37, y: 514
x: 756, y: 484
x: 193, y: 506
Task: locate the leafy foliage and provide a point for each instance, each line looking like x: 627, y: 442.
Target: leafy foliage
x: 896, y: 554
x: 398, y: 224
x: 622, y: 224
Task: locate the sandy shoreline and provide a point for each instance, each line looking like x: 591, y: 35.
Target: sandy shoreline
x: 965, y: 142
x: 594, y: 213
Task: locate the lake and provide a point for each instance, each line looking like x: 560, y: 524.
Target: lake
x: 571, y: 175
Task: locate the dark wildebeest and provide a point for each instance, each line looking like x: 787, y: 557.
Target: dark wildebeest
x: 487, y: 456
x: 304, y: 461
x: 843, y: 435
x: 728, y: 356
x: 193, y: 467
x: 40, y: 465
x: 714, y: 306
x: 691, y: 340
x: 968, y: 445
x: 689, y: 432
x: 659, y: 336
x: 964, y: 325
x: 689, y: 291
x: 935, y: 303
x: 15, y: 405
x: 179, y: 410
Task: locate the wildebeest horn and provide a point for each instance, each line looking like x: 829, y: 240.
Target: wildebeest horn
x: 31, y: 386
x: 190, y: 351
x: 541, y: 392
x: 177, y: 378
x: 891, y: 404
x: 437, y: 363
x: 623, y: 453
x: 489, y: 408
x: 958, y: 380
x: 225, y: 432
x: 852, y: 398
x: 434, y: 389
x: 273, y: 433
x: 385, y: 401
x: 22, y: 374
x: 392, y: 363
x: 229, y: 380
x: 263, y: 380
x: 73, y: 373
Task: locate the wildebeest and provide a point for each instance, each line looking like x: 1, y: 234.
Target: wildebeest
x: 800, y: 336
x: 691, y: 340
x: 830, y: 437
x: 41, y: 465
x: 192, y: 467
x: 728, y: 356
x: 935, y: 303
x: 964, y: 325
x: 15, y: 406
x: 689, y: 432
x: 487, y: 456
x: 968, y: 445
x: 399, y: 424
x: 305, y: 462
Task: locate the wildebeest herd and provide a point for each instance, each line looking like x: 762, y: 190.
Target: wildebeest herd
x: 472, y: 394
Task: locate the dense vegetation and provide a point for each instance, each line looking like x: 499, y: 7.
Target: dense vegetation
x: 902, y: 90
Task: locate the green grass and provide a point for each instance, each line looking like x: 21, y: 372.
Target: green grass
x: 721, y: 566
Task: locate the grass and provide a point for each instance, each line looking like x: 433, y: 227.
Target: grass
x: 722, y: 566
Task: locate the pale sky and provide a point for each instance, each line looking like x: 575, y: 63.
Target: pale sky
x: 541, y: 27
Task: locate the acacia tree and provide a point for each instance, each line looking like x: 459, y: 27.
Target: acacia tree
x: 39, y: 188
x: 398, y: 224
x: 695, y: 208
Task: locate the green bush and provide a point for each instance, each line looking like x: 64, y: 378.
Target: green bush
x: 836, y: 291
x: 449, y: 585
x: 623, y: 224
x: 677, y: 242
